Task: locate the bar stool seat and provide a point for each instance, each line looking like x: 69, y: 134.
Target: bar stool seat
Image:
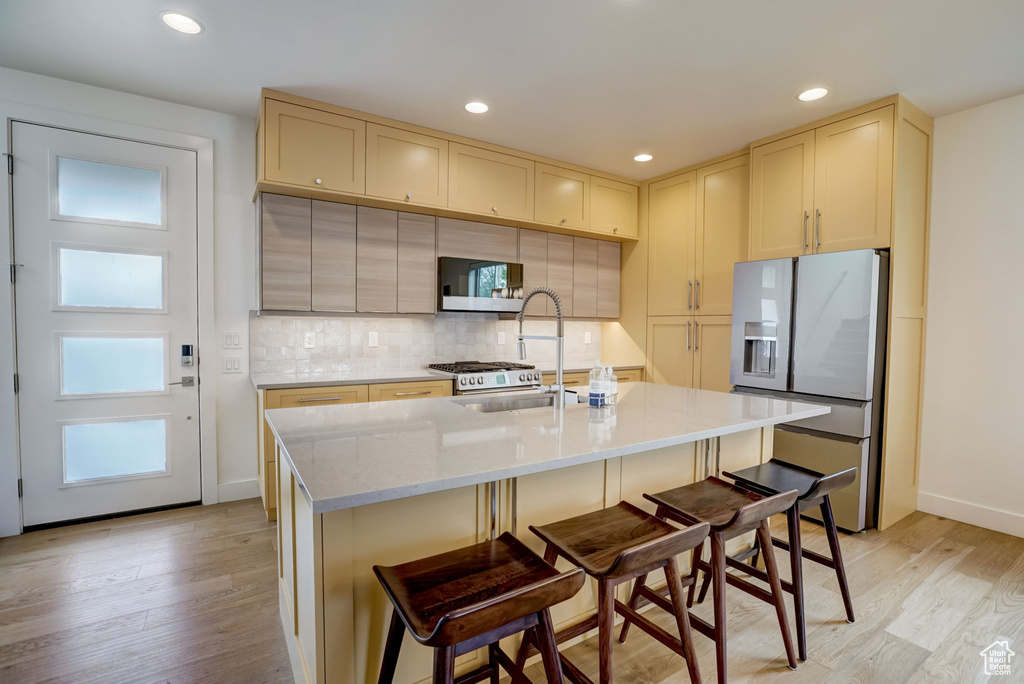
x: 472, y: 597
x: 709, y: 501
x: 613, y: 545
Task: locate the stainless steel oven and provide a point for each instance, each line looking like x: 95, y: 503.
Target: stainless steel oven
x: 474, y: 377
x: 479, y: 285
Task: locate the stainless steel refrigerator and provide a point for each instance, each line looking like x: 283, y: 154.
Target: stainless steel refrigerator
x: 812, y: 329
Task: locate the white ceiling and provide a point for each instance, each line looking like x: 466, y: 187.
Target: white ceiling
x: 589, y: 81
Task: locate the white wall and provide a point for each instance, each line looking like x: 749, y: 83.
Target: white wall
x: 234, y: 256
x: 972, y: 454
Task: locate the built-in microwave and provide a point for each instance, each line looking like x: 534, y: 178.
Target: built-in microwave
x: 479, y: 285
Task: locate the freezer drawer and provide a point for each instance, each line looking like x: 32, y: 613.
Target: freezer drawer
x: 852, y: 506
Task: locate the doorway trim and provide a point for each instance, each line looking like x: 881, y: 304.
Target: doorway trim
x: 11, y: 522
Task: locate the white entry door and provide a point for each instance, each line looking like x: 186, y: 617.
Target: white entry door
x: 106, y: 295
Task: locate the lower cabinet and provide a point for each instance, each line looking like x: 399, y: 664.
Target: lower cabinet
x: 583, y: 379
x: 689, y: 351
x: 397, y: 391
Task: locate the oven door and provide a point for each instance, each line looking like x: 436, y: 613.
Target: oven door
x: 479, y: 285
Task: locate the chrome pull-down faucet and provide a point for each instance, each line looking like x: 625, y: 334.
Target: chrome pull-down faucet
x: 559, y: 339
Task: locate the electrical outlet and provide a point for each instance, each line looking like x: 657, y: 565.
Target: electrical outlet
x: 309, y: 340
x: 586, y: 337
x: 501, y: 337
x: 372, y: 340
x: 232, y: 340
x: 232, y: 364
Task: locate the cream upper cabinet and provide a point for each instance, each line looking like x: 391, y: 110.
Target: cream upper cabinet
x: 473, y: 240
x: 613, y: 207
x: 853, y: 182
x: 334, y: 256
x: 825, y: 190
x: 562, y: 197
x: 377, y: 254
x: 533, y: 255
x: 486, y: 182
x: 671, y: 218
x: 670, y: 350
x: 560, y: 272
x: 406, y: 166
x: 310, y: 147
x: 722, y: 231
x: 584, y: 278
x: 417, y: 263
x: 782, y: 197
x: 712, y: 339
x: 609, y: 256
x: 285, y: 244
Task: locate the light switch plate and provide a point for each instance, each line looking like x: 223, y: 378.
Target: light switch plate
x: 372, y: 339
x: 586, y: 337
x: 231, y: 364
x: 232, y: 340
x: 309, y: 340
x: 501, y: 337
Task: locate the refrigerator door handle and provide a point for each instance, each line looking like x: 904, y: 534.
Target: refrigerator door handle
x: 817, y: 228
x: 689, y: 295
x: 807, y: 215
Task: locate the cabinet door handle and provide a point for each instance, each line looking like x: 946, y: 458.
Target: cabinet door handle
x: 696, y: 335
x: 806, y: 217
x: 321, y: 399
x: 411, y: 394
x: 696, y: 295
x: 687, y: 335
x: 689, y: 295
x: 817, y: 228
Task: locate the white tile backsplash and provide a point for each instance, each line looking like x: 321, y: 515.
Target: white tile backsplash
x: 408, y: 342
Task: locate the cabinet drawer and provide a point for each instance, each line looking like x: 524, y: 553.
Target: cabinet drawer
x: 396, y: 391
x: 569, y: 379
x: 630, y: 375
x: 316, y: 396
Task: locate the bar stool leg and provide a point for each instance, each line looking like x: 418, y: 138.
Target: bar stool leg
x: 605, y: 627
x: 837, y: 555
x: 391, y: 648
x: 697, y: 552
x: 634, y: 598
x: 796, y: 573
x: 682, y: 615
x: 548, y: 648
x: 493, y: 662
x: 444, y: 665
x: 718, y: 579
x: 764, y: 534
x: 704, y: 586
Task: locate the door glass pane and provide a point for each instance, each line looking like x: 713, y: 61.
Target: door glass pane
x: 110, y: 279
x: 103, y: 365
x: 109, y: 192
x: 114, y: 449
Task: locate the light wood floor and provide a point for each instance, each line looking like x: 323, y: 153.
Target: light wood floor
x: 190, y: 596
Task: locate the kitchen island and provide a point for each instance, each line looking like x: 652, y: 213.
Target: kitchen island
x: 389, y: 482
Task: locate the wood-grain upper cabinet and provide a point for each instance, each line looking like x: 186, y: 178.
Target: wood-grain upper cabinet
x: 285, y: 245
x: 671, y: 220
x: 722, y: 232
x: 670, y: 350
x: 560, y: 272
x: 473, y: 240
x: 712, y: 340
x: 310, y: 147
x: 613, y: 207
x: 486, y: 182
x: 853, y: 182
x: 609, y: 258
x: 406, y: 166
x: 562, y: 197
x: 417, y: 263
x: 334, y: 256
x: 533, y: 255
x: 584, y: 278
x: 824, y: 190
x: 377, y: 255
x: 782, y: 197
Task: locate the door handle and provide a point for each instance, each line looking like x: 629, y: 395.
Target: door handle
x: 696, y: 295
x: 696, y: 334
x: 807, y: 215
x: 186, y: 381
x: 689, y: 295
x: 817, y: 228
x: 687, y: 335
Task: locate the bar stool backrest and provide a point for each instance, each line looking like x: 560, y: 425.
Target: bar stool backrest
x: 751, y: 515
x: 643, y: 557
x: 827, y: 484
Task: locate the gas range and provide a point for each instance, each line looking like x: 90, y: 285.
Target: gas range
x: 476, y: 376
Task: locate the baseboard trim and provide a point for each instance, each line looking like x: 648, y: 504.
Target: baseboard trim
x: 235, y: 491
x: 996, y: 519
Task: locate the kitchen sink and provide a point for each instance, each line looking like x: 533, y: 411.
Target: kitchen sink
x: 506, y: 403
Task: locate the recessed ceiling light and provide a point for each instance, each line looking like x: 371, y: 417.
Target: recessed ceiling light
x: 643, y: 157
x: 812, y: 94
x: 181, y: 22
x: 476, y: 107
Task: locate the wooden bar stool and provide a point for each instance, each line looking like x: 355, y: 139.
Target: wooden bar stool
x: 614, y: 545
x: 730, y: 511
x: 813, y: 490
x: 466, y: 599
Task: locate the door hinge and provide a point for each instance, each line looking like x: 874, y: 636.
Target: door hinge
x: 21, y: 488
x: 17, y: 384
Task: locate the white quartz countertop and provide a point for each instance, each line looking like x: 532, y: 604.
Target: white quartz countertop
x: 351, y: 455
